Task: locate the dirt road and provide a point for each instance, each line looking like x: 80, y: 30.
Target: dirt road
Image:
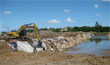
x: 9, y: 57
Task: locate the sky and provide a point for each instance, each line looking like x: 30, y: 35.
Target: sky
x: 53, y: 13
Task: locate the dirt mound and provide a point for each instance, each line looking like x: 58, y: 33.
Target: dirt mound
x: 4, y: 47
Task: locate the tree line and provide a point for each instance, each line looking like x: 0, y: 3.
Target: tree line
x: 96, y: 28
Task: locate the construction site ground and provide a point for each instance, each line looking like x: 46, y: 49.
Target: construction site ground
x: 9, y: 57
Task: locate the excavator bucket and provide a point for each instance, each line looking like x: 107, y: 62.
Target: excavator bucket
x: 39, y: 45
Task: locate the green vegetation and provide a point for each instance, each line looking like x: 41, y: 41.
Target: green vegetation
x: 83, y: 28
x: 3, y: 34
x: 96, y: 28
x: 30, y: 30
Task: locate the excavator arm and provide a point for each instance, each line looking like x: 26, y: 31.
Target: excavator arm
x: 38, y: 37
x: 22, y: 29
x: 36, y: 32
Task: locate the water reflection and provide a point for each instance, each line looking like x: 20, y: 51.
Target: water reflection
x: 98, y: 39
x: 98, y: 45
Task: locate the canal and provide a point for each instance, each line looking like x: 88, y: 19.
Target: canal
x: 97, y: 45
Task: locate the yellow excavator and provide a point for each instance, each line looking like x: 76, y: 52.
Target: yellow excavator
x: 21, y: 33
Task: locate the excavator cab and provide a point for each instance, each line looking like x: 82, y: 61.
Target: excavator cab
x: 23, y: 33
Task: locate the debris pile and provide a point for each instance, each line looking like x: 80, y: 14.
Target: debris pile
x: 26, y: 46
x: 66, y: 40
x: 54, y: 41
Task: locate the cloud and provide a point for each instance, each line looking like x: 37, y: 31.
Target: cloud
x: 69, y: 20
x: 106, y: 0
x: 97, y: 15
x: 96, y: 6
x: 7, y: 12
x: 54, y: 21
x: 67, y: 10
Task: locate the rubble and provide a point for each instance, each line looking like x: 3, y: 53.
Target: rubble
x: 57, y: 41
x: 26, y: 46
x: 64, y: 41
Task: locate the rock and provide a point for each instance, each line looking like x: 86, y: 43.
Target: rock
x: 56, y: 41
x: 67, y: 40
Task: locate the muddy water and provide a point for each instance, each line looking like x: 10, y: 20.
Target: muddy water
x: 97, y: 45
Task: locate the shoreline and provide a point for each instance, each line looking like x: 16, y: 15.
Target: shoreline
x: 9, y: 57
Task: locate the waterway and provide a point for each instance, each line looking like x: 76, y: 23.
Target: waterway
x: 97, y: 45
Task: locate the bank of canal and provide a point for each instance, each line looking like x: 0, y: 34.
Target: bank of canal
x: 97, y: 45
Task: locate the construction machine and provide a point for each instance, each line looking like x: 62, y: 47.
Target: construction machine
x: 21, y: 33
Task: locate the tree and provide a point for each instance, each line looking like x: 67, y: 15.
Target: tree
x: 97, y: 24
x: 70, y: 29
x: 52, y: 29
x: 58, y: 30
x: 98, y: 27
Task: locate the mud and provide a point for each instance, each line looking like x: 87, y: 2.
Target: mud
x: 9, y: 57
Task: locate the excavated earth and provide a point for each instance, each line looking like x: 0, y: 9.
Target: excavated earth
x: 59, y: 41
x: 10, y: 57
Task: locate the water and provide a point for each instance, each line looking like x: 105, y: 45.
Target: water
x: 97, y: 45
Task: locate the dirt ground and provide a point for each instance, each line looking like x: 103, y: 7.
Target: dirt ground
x: 9, y: 57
